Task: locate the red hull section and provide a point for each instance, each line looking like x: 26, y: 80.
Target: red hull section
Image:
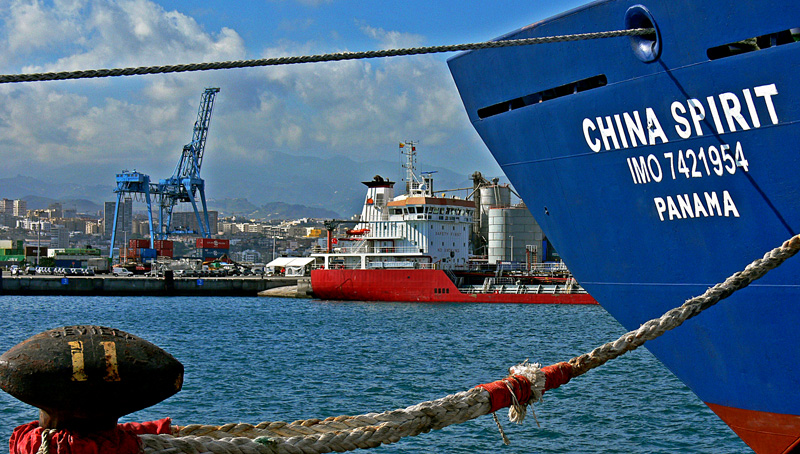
x: 766, y: 433
x: 415, y: 285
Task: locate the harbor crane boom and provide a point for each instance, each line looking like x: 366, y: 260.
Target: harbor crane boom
x: 184, y: 185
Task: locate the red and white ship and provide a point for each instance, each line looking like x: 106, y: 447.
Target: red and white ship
x: 415, y: 248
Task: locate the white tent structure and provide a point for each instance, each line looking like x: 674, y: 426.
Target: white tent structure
x: 294, y: 266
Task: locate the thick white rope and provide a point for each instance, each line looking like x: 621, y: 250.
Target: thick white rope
x: 44, y: 448
x: 373, y: 429
x: 670, y: 320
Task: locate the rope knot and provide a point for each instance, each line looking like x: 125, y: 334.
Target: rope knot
x: 515, y: 389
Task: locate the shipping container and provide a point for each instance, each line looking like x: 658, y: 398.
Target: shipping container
x: 210, y: 253
x: 163, y: 244
x: 165, y: 252
x: 6, y: 244
x: 78, y: 251
x: 138, y: 244
x: 147, y: 253
x: 70, y: 263
x: 128, y: 252
x: 213, y: 243
x: 100, y: 264
x: 31, y: 250
x: 72, y: 257
x: 13, y: 258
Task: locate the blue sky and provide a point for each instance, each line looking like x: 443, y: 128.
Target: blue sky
x: 88, y: 130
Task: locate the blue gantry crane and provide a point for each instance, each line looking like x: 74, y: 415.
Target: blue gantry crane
x: 184, y: 185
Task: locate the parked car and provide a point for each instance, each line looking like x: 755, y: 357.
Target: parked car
x: 119, y: 271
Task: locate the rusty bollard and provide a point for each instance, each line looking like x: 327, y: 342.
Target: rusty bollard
x: 82, y: 379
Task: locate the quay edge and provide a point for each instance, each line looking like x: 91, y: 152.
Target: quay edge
x: 140, y: 285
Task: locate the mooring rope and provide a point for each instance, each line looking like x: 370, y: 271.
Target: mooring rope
x: 338, y: 56
x: 346, y: 433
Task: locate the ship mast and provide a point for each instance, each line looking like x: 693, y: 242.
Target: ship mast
x: 414, y: 185
x: 408, y: 149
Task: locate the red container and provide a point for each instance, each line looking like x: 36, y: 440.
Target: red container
x: 163, y: 244
x: 129, y: 252
x: 165, y: 252
x: 138, y: 244
x: 213, y: 243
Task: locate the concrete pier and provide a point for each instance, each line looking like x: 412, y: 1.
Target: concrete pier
x: 140, y: 285
x: 301, y: 290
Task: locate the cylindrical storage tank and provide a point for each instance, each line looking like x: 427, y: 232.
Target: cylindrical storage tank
x: 496, y: 227
x: 511, y: 230
x: 492, y: 197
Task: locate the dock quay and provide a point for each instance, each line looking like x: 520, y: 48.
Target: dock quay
x: 142, y: 285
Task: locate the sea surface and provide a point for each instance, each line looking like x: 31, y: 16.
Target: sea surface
x: 266, y: 359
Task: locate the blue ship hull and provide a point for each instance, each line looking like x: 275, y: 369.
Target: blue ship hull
x: 658, y: 166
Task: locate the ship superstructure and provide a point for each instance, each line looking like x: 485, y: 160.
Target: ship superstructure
x: 413, y: 230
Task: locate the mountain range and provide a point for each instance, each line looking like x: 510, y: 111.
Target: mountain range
x: 313, y: 187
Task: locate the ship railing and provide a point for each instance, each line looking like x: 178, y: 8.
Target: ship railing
x: 521, y: 268
x: 379, y: 265
x: 362, y: 248
x: 491, y: 286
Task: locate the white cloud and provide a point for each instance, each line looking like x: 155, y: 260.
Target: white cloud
x: 392, y: 39
x: 99, y: 33
x: 58, y: 122
x: 30, y: 26
x: 359, y: 109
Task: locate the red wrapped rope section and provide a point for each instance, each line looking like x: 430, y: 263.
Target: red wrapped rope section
x: 500, y: 391
x: 123, y: 439
x: 556, y: 375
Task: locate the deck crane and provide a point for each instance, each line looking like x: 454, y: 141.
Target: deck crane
x: 183, y: 186
x: 185, y: 183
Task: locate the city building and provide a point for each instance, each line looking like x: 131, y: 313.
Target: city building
x: 20, y: 208
x: 94, y: 227
x: 7, y: 206
x: 248, y: 256
x: 54, y: 210
x: 124, y: 218
x: 59, y: 236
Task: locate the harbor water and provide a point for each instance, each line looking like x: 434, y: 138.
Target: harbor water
x: 263, y: 359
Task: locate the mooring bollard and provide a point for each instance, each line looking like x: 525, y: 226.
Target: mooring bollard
x: 82, y: 379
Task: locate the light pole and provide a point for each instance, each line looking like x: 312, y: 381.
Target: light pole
x: 38, y: 241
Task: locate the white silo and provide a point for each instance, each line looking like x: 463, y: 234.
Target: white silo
x: 494, y: 196
x: 511, y: 231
